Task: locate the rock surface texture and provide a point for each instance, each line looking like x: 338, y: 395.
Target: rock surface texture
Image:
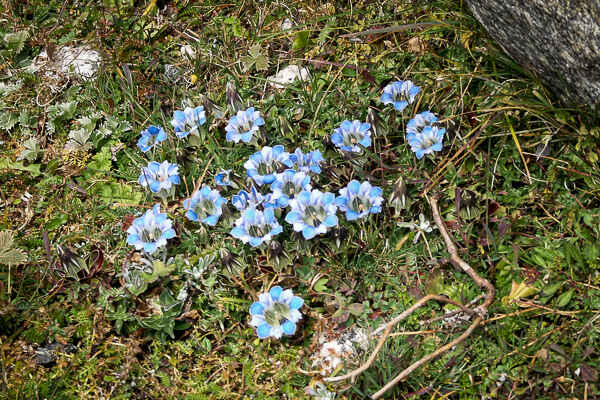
x: 558, y: 39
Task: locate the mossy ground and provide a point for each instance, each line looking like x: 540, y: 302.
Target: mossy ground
x: 522, y: 169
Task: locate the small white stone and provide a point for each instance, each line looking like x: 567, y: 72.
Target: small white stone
x: 187, y: 51
x: 80, y: 61
x: 286, y: 25
x: 288, y: 75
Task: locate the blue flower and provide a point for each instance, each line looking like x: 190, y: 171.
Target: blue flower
x: 428, y: 141
x: 420, y: 121
x: 263, y: 165
x: 244, y: 200
x: 287, y: 185
x: 159, y: 177
x: 276, y: 313
x: 308, y: 162
x: 188, y: 121
x: 256, y: 227
x: 150, y: 231
x: 312, y: 213
x: 222, y: 178
x: 243, y: 125
x: 359, y: 200
x: 351, y: 134
x: 400, y: 94
x: 205, y: 205
x: 151, y: 137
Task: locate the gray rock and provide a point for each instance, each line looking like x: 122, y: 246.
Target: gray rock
x: 45, y: 355
x: 558, y: 39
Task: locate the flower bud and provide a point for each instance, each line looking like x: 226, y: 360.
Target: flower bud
x: 234, y: 100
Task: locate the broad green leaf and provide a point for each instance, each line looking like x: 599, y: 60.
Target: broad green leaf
x: 519, y: 291
x: 33, y: 169
x: 301, y: 40
x: 117, y: 192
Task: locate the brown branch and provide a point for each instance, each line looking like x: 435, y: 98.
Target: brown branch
x: 426, y: 359
x: 388, y: 327
x: 418, y: 304
x: 456, y: 260
x: 481, y: 310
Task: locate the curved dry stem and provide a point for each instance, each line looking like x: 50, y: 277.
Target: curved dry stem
x: 427, y: 358
x: 490, y: 292
x: 459, y: 262
x: 388, y: 328
x: 488, y: 298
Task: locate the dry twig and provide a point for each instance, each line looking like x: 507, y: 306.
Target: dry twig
x: 480, y: 312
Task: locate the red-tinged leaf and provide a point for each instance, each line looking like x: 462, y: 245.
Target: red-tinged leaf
x: 493, y: 206
x: 127, y: 221
x: 588, y: 374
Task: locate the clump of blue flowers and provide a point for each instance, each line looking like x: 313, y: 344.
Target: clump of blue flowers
x: 150, y: 231
x: 188, y: 121
x: 359, y: 200
x: 243, y: 125
x: 151, y: 137
x: 420, y: 121
x: 400, y: 94
x: 265, y: 164
x: 307, y: 162
x: 276, y: 313
x: 351, y: 135
x: 423, y: 136
x: 312, y: 213
x: 287, y: 185
x: 160, y: 177
x: 205, y: 205
x: 256, y: 227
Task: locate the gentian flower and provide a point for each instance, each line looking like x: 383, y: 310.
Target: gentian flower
x: 420, y: 121
x: 359, y: 200
x: 254, y: 198
x: 188, y: 121
x: 205, y: 205
x: 400, y: 94
x: 256, y: 227
x: 222, y: 178
x: 312, y: 213
x: 276, y: 313
x: 150, y: 231
x: 350, y: 134
x: 243, y: 125
x: 151, y: 137
x: 428, y: 141
x: 160, y: 177
x: 308, y: 162
x: 287, y: 185
x: 263, y: 165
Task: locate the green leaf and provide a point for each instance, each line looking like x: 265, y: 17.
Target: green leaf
x: 33, y: 169
x: 15, y: 42
x: 32, y: 150
x: 519, y: 291
x: 8, y: 120
x: 56, y: 222
x: 565, y: 298
x: 301, y: 40
x: 8, y: 254
x: 255, y: 58
x: 320, y: 285
x: 100, y: 164
x: 117, y: 192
